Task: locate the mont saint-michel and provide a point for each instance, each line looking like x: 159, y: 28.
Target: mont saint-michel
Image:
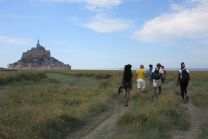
x: 38, y: 58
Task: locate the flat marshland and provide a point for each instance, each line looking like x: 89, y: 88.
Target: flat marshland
x: 57, y: 104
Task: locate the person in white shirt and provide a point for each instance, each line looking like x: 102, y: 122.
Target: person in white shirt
x: 163, y: 75
x: 183, y: 80
x: 157, y: 80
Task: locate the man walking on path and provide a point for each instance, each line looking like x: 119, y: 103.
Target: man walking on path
x: 140, y: 78
x: 183, y: 80
x: 157, y: 80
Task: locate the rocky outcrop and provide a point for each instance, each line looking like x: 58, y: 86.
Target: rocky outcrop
x: 38, y: 58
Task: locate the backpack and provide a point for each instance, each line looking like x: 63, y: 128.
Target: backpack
x: 156, y: 74
x: 185, y: 76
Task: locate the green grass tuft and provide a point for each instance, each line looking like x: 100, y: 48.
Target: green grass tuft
x: 57, y: 128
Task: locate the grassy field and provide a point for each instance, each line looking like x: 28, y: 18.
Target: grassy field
x: 51, y: 104
x: 54, y: 104
x: 199, y: 90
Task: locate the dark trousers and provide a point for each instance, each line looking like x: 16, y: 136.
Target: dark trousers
x: 183, y: 85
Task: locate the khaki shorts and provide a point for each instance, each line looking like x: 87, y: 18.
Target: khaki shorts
x: 140, y: 83
x: 157, y: 83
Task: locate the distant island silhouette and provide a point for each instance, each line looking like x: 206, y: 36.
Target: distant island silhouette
x: 38, y: 58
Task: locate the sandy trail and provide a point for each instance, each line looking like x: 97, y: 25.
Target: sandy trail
x: 197, y: 118
x: 104, y: 125
x: 105, y: 129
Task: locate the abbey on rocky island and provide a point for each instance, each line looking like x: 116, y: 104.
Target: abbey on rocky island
x: 38, y: 58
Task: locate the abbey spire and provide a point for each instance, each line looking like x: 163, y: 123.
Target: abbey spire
x: 38, y: 43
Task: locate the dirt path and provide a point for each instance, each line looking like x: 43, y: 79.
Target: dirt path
x: 103, y: 125
x: 108, y: 126
x: 105, y: 129
x: 197, y: 117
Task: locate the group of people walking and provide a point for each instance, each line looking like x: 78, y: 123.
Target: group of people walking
x: 156, y: 79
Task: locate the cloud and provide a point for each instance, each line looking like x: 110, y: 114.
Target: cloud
x: 179, y: 23
x: 93, y: 5
x: 13, y: 41
x: 99, y: 5
x: 101, y: 22
x: 104, y: 24
x: 60, y: 1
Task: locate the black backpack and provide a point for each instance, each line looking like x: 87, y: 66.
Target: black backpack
x: 156, y: 74
x: 185, y: 76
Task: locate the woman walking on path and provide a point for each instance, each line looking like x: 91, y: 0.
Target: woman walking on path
x: 127, y: 82
x: 183, y: 80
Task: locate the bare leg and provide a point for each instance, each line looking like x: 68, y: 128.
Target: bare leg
x: 155, y: 92
x: 160, y: 90
x: 139, y: 91
x: 127, y: 97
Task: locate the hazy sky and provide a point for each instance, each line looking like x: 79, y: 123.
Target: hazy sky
x: 91, y: 34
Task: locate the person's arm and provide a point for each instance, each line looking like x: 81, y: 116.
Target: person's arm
x: 179, y: 74
x: 123, y: 79
x: 161, y: 74
x: 165, y: 73
x: 135, y: 76
x: 145, y: 74
x: 188, y: 74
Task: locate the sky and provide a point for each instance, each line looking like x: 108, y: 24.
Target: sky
x: 107, y: 34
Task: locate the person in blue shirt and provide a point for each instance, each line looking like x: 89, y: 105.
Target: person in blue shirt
x: 149, y: 74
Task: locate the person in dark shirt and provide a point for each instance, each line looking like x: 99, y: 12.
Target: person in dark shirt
x: 183, y: 80
x: 127, y: 82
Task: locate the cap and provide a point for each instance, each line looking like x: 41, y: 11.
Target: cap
x: 158, y: 65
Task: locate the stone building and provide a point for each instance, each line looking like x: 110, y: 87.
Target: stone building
x: 38, y: 58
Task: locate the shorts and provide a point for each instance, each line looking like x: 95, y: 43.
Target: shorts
x: 127, y: 85
x: 140, y: 83
x: 150, y: 79
x: 156, y: 83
